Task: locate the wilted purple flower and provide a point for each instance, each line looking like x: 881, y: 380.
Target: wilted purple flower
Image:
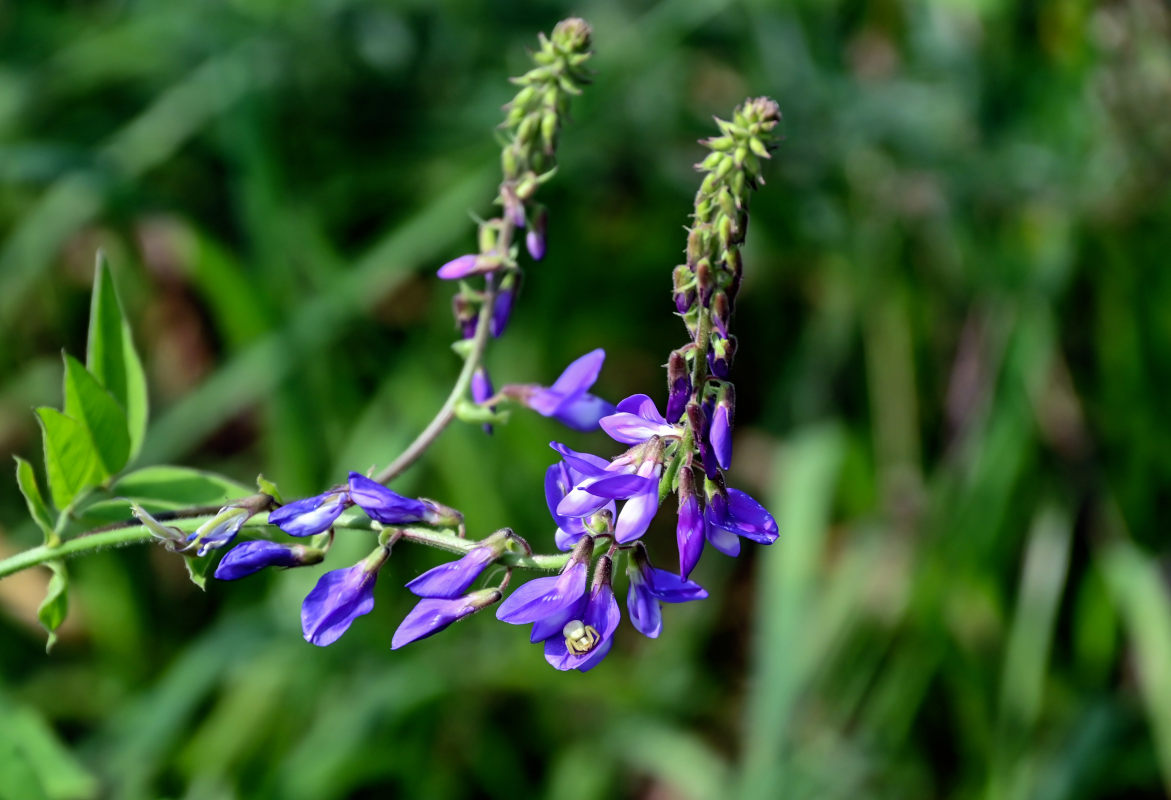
x: 535, y: 238
x: 431, y: 615
x: 312, y: 515
x: 340, y: 597
x: 735, y: 515
x: 249, y: 557
x: 568, y: 400
x: 220, y: 530
x: 648, y: 587
x: 689, y: 532
x: 453, y: 578
x: 383, y: 505
x: 587, y: 636
x: 544, y: 599
x: 635, y: 420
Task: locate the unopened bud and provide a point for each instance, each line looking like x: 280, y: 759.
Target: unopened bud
x: 678, y: 385
x: 721, y: 312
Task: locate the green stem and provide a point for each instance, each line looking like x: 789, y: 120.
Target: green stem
x: 446, y: 413
x: 72, y: 547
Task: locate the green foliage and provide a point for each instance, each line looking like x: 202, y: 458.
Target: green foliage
x: 26, y: 480
x: 113, y: 361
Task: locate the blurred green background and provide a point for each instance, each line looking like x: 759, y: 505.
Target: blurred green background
x: 955, y: 344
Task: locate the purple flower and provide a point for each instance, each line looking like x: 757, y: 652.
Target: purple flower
x: 220, y: 530
x: 453, y: 578
x: 635, y: 420
x: 546, y: 601
x: 568, y: 400
x: 431, y: 615
x: 729, y: 517
x: 689, y: 533
x: 383, y: 505
x: 648, y: 587
x: 311, y: 515
x: 249, y: 557
x: 598, y: 482
x: 535, y: 238
x: 587, y: 636
x: 340, y: 597
x: 559, y: 480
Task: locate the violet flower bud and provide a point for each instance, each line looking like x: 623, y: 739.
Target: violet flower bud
x: 586, y: 639
x: 535, y: 237
x: 638, y: 511
x: 684, y: 288
x: 690, y: 531
x: 431, y: 615
x: 311, y: 515
x: 678, y: 385
x: 650, y: 586
x: 383, y: 505
x: 453, y: 578
x: 247, y: 558
x: 470, y: 264
x: 721, y: 313
x: 502, y: 304
x: 720, y: 435
x: 340, y: 597
x: 720, y: 355
x: 705, y: 280
x: 465, y: 316
x: 482, y: 390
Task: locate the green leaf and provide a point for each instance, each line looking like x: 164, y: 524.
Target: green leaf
x: 111, y: 356
x: 163, y: 488
x: 198, y: 568
x: 56, y: 603
x: 70, y: 460
x: 87, y: 402
x: 26, y: 479
x: 34, y: 763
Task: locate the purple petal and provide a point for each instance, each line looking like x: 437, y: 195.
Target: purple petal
x: 587, y: 464
x: 639, y: 510
x: 582, y: 412
x: 620, y: 487
x: 552, y: 625
x: 689, y: 535
x: 752, y: 518
x: 310, y: 516
x: 603, y: 615
x: 643, y: 609
x: 501, y: 311
x: 453, y: 578
x: 721, y: 437
x: 670, y: 588
x: 535, y: 244
x: 428, y: 617
x: 250, y: 557
x: 578, y: 502
x: 382, y: 504
x: 632, y: 429
x: 579, y: 376
x: 340, y: 597
x: 543, y: 596
x: 722, y: 539
x: 459, y: 267
x: 567, y: 539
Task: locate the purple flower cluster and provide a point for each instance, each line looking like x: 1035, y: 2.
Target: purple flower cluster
x: 343, y: 595
x: 576, y: 626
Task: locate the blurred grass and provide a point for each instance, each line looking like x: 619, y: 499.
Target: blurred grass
x: 954, y: 357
